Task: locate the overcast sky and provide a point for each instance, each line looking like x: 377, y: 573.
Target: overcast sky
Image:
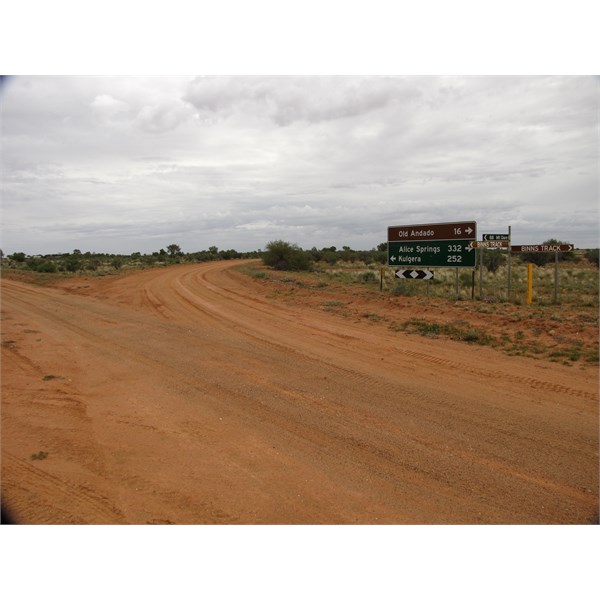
x: 133, y: 164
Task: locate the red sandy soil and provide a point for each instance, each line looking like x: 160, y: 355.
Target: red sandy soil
x: 190, y: 395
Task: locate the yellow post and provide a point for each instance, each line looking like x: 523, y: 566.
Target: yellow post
x: 529, y: 283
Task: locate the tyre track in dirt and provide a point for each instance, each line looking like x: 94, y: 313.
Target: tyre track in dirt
x: 65, y: 502
x: 339, y: 341
x: 211, y: 404
x: 66, y: 487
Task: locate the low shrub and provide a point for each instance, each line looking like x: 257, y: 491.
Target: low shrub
x: 284, y: 256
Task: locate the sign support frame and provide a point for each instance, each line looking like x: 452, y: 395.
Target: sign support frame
x: 556, y: 277
x: 508, y: 289
x: 481, y: 275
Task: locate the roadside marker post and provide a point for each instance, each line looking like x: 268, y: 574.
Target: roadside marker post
x: 529, y: 283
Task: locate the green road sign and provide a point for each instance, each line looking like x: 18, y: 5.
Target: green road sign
x: 443, y: 253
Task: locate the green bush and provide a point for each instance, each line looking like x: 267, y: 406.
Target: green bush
x: 592, y: 256
x: 284, y: 256
x: 93, y: 264
x: 367, y: 277
x: 466, y: 279
x: 330, y: 257
x: 493, y: 260
x: 73, y: 264
x: 46, y: 267
x: 41, y: 266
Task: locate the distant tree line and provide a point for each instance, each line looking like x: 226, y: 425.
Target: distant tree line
x: 75, y: 261
x: 279, y: 254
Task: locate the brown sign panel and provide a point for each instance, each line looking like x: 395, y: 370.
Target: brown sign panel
x: 490, y: 244
x: 466, y: 230
x: 543, y: 248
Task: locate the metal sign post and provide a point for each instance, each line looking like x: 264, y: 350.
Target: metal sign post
x: 481, y: 275
x: 556, y: 277
x: 457, y: 293
x: 508, y: 290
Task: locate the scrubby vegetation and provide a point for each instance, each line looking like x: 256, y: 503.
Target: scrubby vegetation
x: 284, y: 256
x: 577, y: 275
x: 102, y: 264
x: 592, y: 256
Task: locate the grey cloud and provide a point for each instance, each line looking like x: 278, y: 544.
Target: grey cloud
x: 285, y: 100
x: 162, y: 117
x: 107, y: 108
x: 153, y: 159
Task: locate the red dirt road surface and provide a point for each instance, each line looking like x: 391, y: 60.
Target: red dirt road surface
x: 185, y: 395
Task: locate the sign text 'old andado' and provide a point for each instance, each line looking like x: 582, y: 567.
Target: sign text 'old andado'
x: 465, y: 230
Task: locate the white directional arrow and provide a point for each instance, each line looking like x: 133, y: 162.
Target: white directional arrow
x: 470, y: 247
x: 469, y: 230
x: 393, y: 259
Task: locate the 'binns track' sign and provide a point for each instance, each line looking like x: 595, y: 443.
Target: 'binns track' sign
x: 543, y: 248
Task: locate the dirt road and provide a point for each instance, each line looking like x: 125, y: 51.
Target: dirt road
x: 184, y: 395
